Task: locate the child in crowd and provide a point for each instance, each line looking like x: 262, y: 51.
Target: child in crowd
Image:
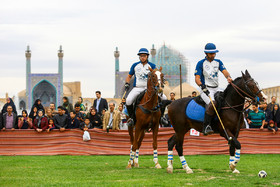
x: 51, y: 125
x: 86, y: 125
x: 73, y: 122
x: 272, y: 126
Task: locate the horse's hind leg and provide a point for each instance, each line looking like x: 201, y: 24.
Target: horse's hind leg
x: 171, y: 143
x: 179, y: 148
x: 234, y: 151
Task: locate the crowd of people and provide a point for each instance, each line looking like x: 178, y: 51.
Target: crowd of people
x: 106, y: 116
x: 263, y: 115
x: 67, y: 116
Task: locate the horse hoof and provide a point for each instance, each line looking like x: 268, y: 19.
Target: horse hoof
x: 169, y: 169
x: 232, y: 167
x: 136, y: 165
x: 158, y: 166
x: 235, y: 171
x: 189, y: 171
x: 128, y: 166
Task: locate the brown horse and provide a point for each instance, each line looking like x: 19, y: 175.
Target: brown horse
x: 147, y: 117
x: 231, y: 114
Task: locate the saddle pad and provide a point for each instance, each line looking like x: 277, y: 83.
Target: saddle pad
x: 195, y: 111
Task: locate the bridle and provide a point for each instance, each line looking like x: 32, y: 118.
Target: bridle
x: 248, y: 94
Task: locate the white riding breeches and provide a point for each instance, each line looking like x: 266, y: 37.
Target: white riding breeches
x: 135, y: 92
x: 205, y: 97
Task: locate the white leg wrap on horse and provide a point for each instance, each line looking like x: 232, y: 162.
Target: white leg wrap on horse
x: 185, y: 165
x: 231, y: 160
x: 170, y: 158
x: 155, y: 157
x: 237, y: 156
x: 136, y: 156
x: 131, y: 157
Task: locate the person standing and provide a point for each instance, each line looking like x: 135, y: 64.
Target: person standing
x: 206, y: 77
x: 67, y: 105
x: 111, y: 118
x: 256, y: 117
x: 100, y: 104
x: 9, y: 102
x: 40, y: 122
x: 9, y: 120
x: 60, y: 120
x: 270, y: 106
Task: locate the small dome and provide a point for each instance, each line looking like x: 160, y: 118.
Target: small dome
x: 67, y: 91
x: 187, y: 90
x: 22, y: 93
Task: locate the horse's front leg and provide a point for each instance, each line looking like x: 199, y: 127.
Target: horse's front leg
x: 235, y: 148
x: 155, y: 134
x: 140, y: 139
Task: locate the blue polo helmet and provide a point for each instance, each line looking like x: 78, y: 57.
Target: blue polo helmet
x: 143, y: 51
x: 210, y: 48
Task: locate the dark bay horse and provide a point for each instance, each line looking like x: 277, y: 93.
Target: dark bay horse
x: 147, y: 117
x: 230, y: 113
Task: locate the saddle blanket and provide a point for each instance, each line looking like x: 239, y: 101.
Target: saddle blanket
x: 195, y: 111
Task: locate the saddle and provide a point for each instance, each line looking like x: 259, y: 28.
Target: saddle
x: 195, y: 109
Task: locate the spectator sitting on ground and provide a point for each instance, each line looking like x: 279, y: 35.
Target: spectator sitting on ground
x: 51, y: 125
x: 272, y: 103
x: 9, y: 119
x: 172, y: 96
x: 256, y: 117
x: 194, y: 94
x: 111, y: 118
x: 79, y: 114
x: 60, y: 120
x: 40, y: 122
x: 82, y: 106
x: 24, y: 122
x: 73, y: 122
x: 86, y: 125
x: 276, y: 114
x: 52, y: 108
x: 10, y: 102
x: 272, y: 126
x: 100, y: 104
x: 94, y: 118
x: 67, y: 105
x: 33, y: 114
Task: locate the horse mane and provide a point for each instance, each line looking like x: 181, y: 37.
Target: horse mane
x: 229, y: 86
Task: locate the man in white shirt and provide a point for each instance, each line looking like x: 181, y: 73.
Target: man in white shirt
x: 206, y: 77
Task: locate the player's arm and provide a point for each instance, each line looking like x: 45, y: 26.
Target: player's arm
x: 227, y: 75
x: 197, y: 80
x: 128, y: 78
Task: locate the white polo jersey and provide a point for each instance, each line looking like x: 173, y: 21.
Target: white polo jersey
x: 141, y: 73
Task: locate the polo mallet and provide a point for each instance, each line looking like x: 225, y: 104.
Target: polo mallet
x: 229, y: 138
x: 124, y: 94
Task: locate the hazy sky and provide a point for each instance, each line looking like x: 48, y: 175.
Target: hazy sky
x: 246, y: 33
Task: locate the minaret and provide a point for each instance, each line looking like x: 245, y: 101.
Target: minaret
x: 117, y: 69
x: 153, y: 53
x: 60, y: 72
x: 28, y: 72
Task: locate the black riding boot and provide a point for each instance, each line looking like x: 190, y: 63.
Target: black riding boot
x: 130, y: 111
x: 163, y: 120
x: 207, y: 125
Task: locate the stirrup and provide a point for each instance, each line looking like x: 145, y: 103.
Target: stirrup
x: 208, y: 130
x: 163, y: 121
x: 130, y: 122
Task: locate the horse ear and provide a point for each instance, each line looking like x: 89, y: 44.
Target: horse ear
x: 243, y: 75
x: 247, y: 73
x: 160, y: 69
x: 151, y: 70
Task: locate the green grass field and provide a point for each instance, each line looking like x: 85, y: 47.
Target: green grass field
x: 111, y: 171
